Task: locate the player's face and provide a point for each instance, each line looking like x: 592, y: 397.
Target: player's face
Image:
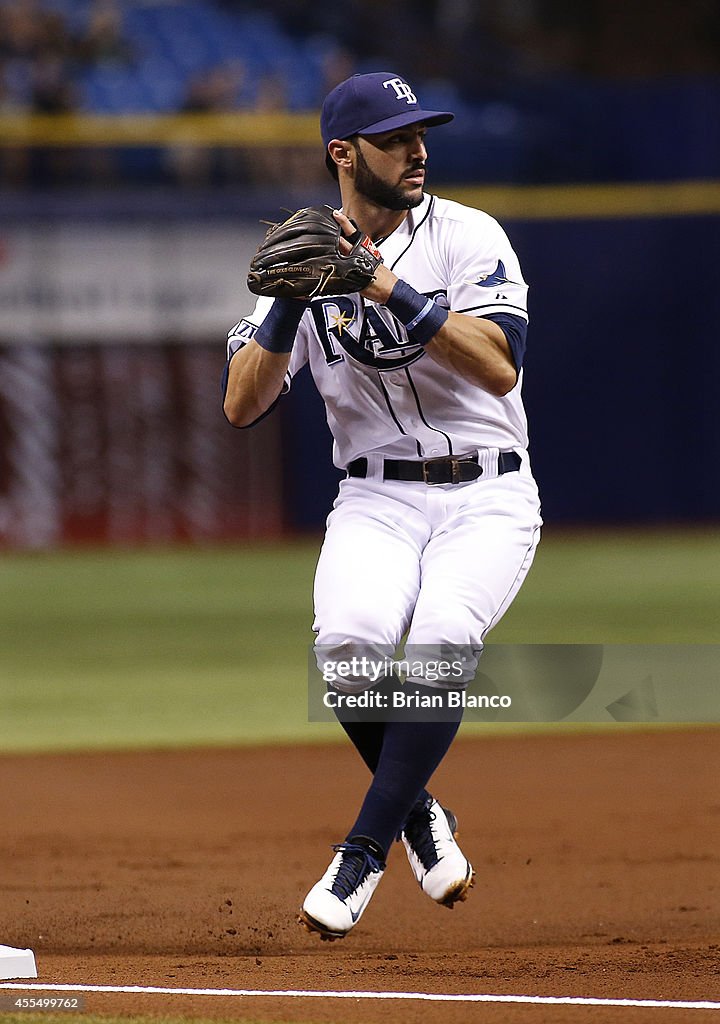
x: 390, y: 167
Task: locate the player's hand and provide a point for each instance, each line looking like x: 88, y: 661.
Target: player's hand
x: 348, y: 229
x: 379, y: 289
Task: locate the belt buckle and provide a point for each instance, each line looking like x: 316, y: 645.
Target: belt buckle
x: 453, y: 464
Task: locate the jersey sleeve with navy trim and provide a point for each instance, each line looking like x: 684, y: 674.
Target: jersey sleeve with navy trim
x: 515, y: 330
x: 245, y: 329
x: 485, y: 271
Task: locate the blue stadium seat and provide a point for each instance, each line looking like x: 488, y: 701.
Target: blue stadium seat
x: 171, y: 43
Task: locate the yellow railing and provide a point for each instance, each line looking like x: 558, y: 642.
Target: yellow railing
x: 257, y: 130
x: 535, y: 202
x: 226, y: 129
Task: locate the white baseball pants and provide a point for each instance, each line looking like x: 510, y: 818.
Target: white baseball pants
x: 442, y: 563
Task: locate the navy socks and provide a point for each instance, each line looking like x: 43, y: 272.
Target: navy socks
x: 367, y: 738
x: 405, y: 755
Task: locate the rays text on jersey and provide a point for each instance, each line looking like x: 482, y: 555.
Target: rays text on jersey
x: 346, y: 325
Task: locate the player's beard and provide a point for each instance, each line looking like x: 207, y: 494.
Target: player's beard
x: 390, y: 197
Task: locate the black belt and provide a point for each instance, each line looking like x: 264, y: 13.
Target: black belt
x: 446, y: 470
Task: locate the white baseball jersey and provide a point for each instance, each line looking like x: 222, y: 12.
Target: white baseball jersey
x: 386, y: 395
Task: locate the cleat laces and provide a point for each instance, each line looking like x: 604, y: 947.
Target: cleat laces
x: 418, y: 833
x: 356, y: 864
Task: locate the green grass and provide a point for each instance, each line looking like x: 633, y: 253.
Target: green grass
x: 138, y: 648
x: 180, y: 647
x: 634, y: 586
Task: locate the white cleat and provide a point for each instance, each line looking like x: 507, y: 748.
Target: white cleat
x: 336, y: 903
x: 439, y: 865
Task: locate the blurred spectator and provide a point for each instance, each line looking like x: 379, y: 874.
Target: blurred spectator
x: 337, y: 65
x: 20, y: 29
x: 53, y: 91
x: 271, y: 94
x: 36, y: 50
x: 215, y: 90
x: 218, y: 90
x: 28, y: 31
x: 284, y: 166
x: 102, y: 40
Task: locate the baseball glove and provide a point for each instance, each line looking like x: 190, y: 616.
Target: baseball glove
x: 303, y: 258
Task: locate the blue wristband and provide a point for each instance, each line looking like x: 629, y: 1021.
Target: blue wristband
x: 421, y: 317
x: 277, y: 331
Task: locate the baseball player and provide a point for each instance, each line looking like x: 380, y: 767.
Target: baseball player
x: 436, y: 522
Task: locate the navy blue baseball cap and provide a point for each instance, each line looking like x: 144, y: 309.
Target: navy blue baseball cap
x: 369, y: 104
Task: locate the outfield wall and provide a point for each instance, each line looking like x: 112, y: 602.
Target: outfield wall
x: 112, y: 325
x: 125, y: 444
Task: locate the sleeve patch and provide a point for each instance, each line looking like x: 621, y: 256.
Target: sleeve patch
x: 496, y: 279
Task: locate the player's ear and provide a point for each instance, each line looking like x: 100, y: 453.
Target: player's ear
x: 339, y: 151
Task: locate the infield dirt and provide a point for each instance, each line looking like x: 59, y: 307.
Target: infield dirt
x: 597, y: 858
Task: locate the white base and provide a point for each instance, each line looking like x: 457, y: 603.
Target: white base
x: 17, y: 963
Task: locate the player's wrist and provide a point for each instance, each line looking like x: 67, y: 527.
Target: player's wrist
x: 421, y: 317
x: 381, y: 286
x: 277, y: 331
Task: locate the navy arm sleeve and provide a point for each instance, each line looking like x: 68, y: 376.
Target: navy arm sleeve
x: 515, y: 330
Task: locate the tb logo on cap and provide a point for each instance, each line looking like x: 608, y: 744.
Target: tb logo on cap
x: 402, y: 90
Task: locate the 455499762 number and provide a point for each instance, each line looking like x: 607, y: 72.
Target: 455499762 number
x: 40, y: 1004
